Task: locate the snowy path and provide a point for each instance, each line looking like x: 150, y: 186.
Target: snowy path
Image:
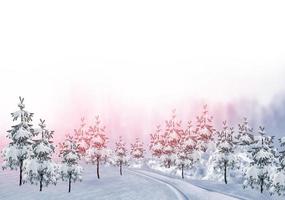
x: 179, y: 194
x: 188, y: 190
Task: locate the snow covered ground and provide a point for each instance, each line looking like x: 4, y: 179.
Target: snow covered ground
x: 211, y: 187
x: 134, y: 184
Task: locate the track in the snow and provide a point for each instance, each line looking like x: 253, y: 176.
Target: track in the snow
x: 204, y: 188
x: 231, y: 195
x: 180, y: 195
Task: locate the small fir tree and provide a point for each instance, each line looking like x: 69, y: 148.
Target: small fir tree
x: 224, y: 157
x: 121, y: 154
x: 278, y: 178
x: 80, y: 136
x: 187, y: 154
x: 245, y: 137
x: 40, y: 168
x: 282, y: 153
x: 137, y: 151
x: 97, y: 141
x: 156, y: 143
x: 204, y: 129
x: 19, y: 148
x: 70, y: 170
x: 263, y: 158
x: 171, y: 139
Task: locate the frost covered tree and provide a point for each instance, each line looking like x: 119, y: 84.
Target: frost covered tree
x: 80, y: 136
x: 40, y: 169
x: 278, y: 178
x: 282, y: 153
x: 70, y: 170
x: 156, y: 143
x: 171, y: 139
x: 263, y: 159
x: 187, y: 154
x: 278, y: 183
x: 20, y: 146
x: 204, y: 135
x: 96, y: 142
x: 120, y: 154
x: 137, y: 150
x: 204, y: 128
x: 245, y: 137
x: 224, y: 157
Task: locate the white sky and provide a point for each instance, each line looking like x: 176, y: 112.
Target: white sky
x: 140, y: 51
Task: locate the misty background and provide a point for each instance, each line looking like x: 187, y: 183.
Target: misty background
x: 133, y: 62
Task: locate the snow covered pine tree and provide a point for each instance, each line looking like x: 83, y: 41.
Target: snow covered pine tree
x: 137, y: 151
x: 70, y: 170
x: 187, y: 154
x: 263, y: 157
x: 204, y: 129
x: 224, y: 157
x: 244, y: 138
x: 80, y: 137
x: 278, y: 178
x: 156, y: 143
x: 171, y: 137
x: 96, y: 142
x: 20, y: 148
x: 204, y: 135
x: 282, y: 153
x: 40, y: 168
x: 120, y: 154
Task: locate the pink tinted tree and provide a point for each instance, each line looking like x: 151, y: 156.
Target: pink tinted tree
x: 120, y: 154
x: 137, y: 150
x: 171, y: 137
x: 96, y: 141
x: 204, y: 129
x: 80, y: 136
x: 156, y: 143
x: 187, y: 154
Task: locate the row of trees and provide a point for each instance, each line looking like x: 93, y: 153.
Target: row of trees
x: 92, y: 145
x: 31, y: 150
x: 225, y: 150
x: 254, y: 155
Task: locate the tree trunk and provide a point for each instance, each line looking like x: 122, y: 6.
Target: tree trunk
x: 168, y: 164
x: 41, y: 182
x: 21, y: 172
x: 261, y: 185
x: 225, y: 173
x: 182, y: 171
x: 121, y: 173
x: 69, y: 183
x: 98, y: 175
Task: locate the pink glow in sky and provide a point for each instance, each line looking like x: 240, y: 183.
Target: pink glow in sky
x: 132, y: 63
